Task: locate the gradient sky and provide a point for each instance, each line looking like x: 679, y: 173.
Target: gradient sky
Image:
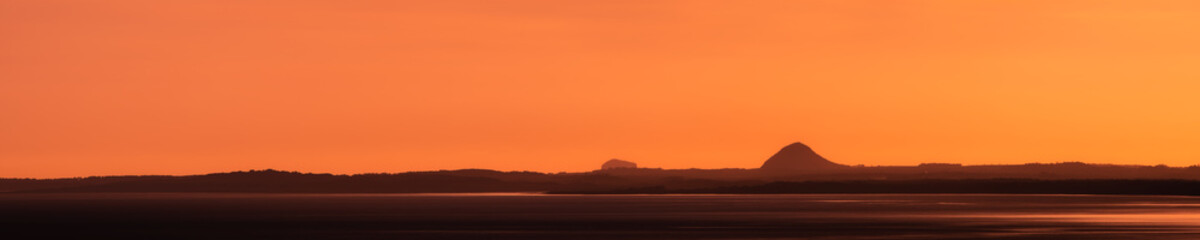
x: 194, y: 86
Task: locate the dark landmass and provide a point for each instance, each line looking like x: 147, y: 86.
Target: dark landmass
x: 794, y: 169
x: 951, y: 186
x: 274, y: 181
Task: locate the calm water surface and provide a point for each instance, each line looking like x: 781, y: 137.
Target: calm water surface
x: 537, y: 216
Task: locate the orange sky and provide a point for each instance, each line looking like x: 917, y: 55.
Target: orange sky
x: 194, y: 86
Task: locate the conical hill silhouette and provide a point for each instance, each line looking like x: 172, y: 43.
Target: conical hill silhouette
x: 798, y: 156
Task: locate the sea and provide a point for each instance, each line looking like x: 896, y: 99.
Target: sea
x: 553, y: 216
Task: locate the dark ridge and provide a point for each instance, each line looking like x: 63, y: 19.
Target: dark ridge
x: 947, y: 186
x: 799, y: 168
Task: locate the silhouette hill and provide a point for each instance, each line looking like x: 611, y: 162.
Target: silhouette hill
x: 798, y: 157
x: 617, y: 163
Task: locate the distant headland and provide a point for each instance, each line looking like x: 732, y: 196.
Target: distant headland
x: 796, y: 168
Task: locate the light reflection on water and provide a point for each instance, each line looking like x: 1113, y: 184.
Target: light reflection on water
x: 1168, y: 219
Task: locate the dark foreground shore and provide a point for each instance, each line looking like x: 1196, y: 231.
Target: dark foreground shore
x: 541, y: 216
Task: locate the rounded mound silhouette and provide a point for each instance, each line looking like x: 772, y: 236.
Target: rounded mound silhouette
x: 798, y: 156
x: 617, y: 163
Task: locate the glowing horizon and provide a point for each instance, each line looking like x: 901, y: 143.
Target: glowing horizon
x: 189, y: 87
